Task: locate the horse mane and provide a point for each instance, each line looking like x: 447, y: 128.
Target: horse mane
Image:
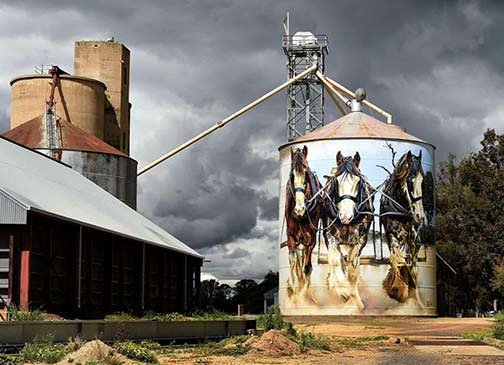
x: 348, y: 166
x: 402, y: 171
x: 299, y: 163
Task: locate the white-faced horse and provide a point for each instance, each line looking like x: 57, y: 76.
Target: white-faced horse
x: 349, y: 214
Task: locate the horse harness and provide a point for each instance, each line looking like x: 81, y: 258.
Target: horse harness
x: 310, y: 178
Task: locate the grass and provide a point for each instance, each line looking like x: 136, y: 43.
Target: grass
x: 478, y: 335
x: 496, y: 332
x: 20, y: 315
x: 310, y: 341
x: 44, y: 350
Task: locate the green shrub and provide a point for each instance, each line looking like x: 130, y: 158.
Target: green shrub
x: 136, y: 351
x: 6, y: 359
x: 120, y: 316
x: 290, y: 330
x: 43, y: 349
x: 212, y: 314
x: 309, y: 340
x: 20, y: 315
x: 499, y: 325
x: 273, y: 319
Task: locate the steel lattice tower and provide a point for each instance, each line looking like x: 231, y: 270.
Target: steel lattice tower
x: 305, y: 98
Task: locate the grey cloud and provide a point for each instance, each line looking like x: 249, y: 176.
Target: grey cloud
x: 268, y: 208
x: 237, y: 254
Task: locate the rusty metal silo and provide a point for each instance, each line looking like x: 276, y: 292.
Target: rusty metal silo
x: 374, y: 141
x: 101, y: 163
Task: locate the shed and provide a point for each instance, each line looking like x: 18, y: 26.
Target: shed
x: 72, y: 248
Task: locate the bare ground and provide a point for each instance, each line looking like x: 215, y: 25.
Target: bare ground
x: 362, y: 341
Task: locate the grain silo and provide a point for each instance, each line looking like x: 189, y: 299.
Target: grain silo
x: 80, y: 100
x: 101, y: 163
x: 326, y: 290
x: 86, y: 123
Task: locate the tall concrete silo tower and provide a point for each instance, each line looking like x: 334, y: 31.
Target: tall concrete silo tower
x: 109, y: 62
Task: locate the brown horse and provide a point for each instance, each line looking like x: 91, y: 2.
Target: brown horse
x: 349, y: 214
x: 302, y: 215
x: 401, y: 213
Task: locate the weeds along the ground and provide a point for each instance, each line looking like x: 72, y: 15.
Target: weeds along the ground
x: 9, y: 359
x: 497, y: 331
x: 43, y: 350
x: 169, y: 317
x: 144, y: 351
x: 19, y: 315
x: 342, y: 344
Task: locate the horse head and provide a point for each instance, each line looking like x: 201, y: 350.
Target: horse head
x: 346, y: 186
x: 410, y: 175
x: 298, y: 179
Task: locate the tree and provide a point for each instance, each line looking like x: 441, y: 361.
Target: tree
x: 470, y: 221
x: 225, y: 298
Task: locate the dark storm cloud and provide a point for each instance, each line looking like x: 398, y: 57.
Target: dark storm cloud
x: 437, y: 66
x: 268, y: 208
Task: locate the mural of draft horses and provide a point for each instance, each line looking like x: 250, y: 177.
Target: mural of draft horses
x: 302, y: 216
x: 401, y: 214
x: 348, y: 216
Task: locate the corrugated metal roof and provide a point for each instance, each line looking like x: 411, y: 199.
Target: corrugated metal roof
x: 33, y: 134
x: 360, y: 126
x: 48, y: 187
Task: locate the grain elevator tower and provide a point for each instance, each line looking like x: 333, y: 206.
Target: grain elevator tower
x: 109, y: 62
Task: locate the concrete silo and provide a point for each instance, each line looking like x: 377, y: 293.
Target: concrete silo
x: 80, y: 100
x: 374, y: 141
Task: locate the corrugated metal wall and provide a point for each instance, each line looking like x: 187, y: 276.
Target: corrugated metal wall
x: 13, y: 212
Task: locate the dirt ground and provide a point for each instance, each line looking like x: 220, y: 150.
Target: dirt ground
x: 367, y: 341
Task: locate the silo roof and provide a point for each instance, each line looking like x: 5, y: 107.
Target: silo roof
x: 358, y: 125
x: 32, y: 134
x: 32, y: 181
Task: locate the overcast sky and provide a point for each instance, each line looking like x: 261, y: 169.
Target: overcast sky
x: 437, y: 66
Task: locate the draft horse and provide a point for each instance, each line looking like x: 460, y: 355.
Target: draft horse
x: 348, y: 216
x: 401, y: 214
x: 302, y: 216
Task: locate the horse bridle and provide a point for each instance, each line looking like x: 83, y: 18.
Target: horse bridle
x: 300, y: 189
x: 409, y: 182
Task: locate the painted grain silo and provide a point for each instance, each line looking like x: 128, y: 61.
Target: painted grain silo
x: 383, y: 260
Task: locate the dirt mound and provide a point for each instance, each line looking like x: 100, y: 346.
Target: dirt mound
x: 92, y: 351
x: 272, y: 343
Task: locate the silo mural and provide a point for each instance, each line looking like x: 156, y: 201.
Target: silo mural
x: 358, y: 234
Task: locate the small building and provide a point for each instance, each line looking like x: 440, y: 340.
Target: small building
x: 70, y: 247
